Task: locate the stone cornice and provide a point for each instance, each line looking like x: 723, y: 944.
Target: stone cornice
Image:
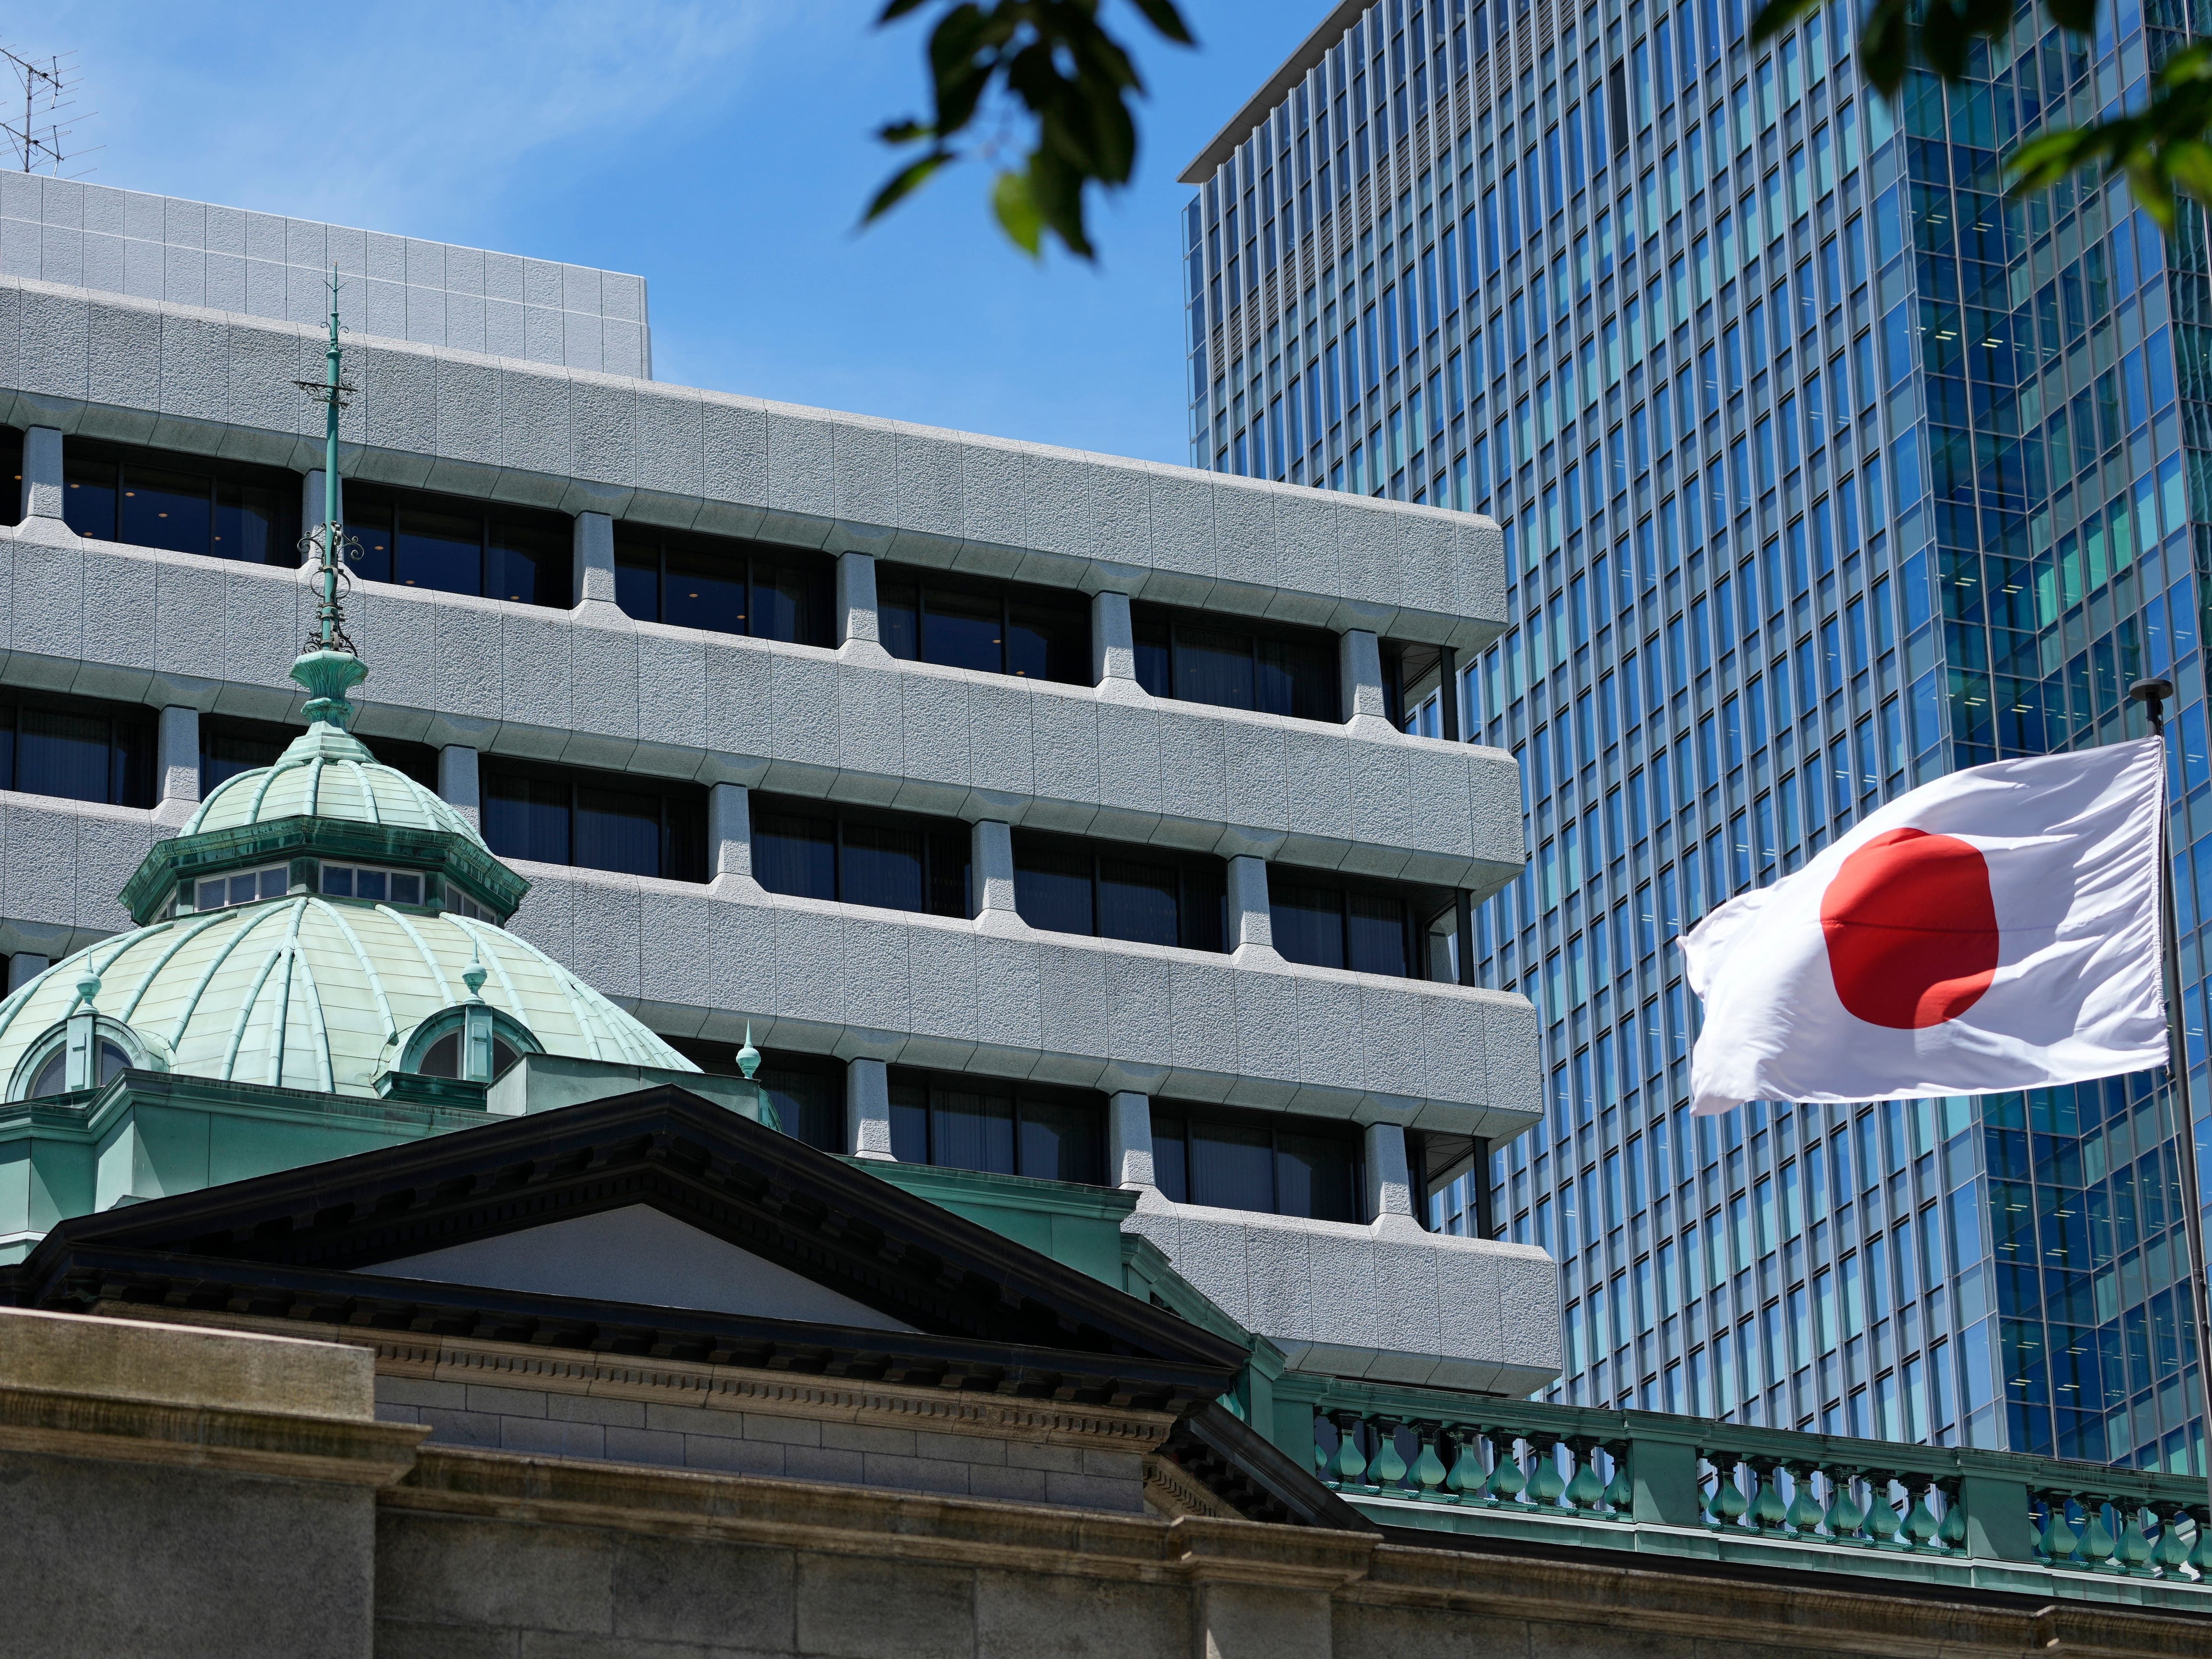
x: 351, y: 1451
x: 726, y: 1388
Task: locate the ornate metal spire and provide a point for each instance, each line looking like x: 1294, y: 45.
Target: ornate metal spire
x: 330, y: 666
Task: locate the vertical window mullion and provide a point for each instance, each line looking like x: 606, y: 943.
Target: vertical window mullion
x: 660, y: 581
x: 837, y: 859
x: 1096, y: 919
x: 485, y: 584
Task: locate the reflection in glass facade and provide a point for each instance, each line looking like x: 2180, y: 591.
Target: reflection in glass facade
x: 1822, y: 469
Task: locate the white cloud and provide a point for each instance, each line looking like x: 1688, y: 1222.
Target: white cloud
x: 414, y: 116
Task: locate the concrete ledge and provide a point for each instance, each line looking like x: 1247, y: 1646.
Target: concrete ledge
x: 219, y: 383
x: 852, y: 725
x: 1385, y: 1300
x: 1248, y: 1030
x: 130, y: 1391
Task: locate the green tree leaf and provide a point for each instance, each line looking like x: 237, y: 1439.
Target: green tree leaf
x: 1050, y: 64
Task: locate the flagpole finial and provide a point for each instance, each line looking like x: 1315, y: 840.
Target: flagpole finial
x: 2151, y: 694
x: 329, y: 666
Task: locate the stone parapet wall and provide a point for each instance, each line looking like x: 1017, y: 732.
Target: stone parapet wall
x: 75, y: 234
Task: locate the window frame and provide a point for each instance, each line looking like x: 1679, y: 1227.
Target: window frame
x: 88, y: 455
x: 906, y: 1078
x: 489, y: 516
x: 925, y: 579
x: 932, y: 831
x: 1276, y: 1125
x: 1188, y: 868
x: 1417, y: 925
x: 669, y: 792
x: 1144, y: 617
x: 132, y: 759
x: 818, y: 569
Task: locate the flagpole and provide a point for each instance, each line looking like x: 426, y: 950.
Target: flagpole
x: 2153, y: 694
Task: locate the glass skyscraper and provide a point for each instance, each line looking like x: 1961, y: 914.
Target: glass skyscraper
x: 1823, y: 469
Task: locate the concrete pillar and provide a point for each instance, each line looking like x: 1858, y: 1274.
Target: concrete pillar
x: 595, y: 559
x: 992, y: 858
x: 1129, y: 1140
x: 1360, y: 661
x: 457, y: 785
x: 858, y: 624
x: 177, y: 763
x: 868, y: 1109
x: 730, y: 832
x: 1113, y: 642
x: 42, y: 473
x: 24, y: 967
x: 1389, y: 1176
x: 1251, y: 918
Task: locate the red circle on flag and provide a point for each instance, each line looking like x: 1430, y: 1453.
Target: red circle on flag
x: 1911, y: 929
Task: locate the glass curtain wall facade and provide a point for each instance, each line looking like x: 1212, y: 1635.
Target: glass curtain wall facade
x: 1823, y: 469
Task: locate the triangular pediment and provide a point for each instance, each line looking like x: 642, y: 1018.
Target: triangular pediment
x: 655, y: 1223
x: 639, y: 1255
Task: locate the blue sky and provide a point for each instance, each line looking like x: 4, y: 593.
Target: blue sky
x: 722, y: 151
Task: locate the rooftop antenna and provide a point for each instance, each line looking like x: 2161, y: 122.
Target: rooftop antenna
x: 50, y: 89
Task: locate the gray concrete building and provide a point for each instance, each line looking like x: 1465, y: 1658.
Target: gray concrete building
x: 1037, y: 813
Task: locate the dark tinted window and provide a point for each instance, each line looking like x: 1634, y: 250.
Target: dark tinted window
x: 1004, y: 1128
x: 76, y: 748
x: 860, y: 856
x: 181, y: 503
x: 456, y: 545
x: 601, y: 821
x: 1206, y: 659
x: 1325, y: 922
x: 229, y: 746
x: 993, y: 627
x: 1115, y: 891
x: 1421, y: 690
x: 1279, y: 1167
x: 11, y: 475
x: 726, y: 585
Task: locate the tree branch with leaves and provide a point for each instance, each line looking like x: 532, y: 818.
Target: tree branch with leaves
x: 1061, y: 87
x: 2161, y: 149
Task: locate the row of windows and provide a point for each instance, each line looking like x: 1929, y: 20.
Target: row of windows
x: 638, y: 825
x: 1226, y: 1159
x: 191, y: 504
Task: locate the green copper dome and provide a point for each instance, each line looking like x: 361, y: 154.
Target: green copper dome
x: 305, y: 992
x: 331, y: 774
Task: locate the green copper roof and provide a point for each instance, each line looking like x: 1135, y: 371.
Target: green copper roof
x: 319, y: 993
x: 327, y: 774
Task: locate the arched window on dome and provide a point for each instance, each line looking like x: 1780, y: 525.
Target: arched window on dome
x: 85, y: 1051
x: 471, y: 1042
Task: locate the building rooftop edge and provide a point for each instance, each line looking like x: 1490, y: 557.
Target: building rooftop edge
x: 1336, y: 498
x: 1292, y: 70
x: 47, y: 183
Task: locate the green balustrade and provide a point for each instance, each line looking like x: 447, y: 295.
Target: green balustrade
x: 1642, y: 1480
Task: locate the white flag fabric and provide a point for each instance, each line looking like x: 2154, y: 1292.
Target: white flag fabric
x: 1996, y: 929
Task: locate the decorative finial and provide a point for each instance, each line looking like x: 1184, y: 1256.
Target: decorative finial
x: 749, y: 1058
x: 87, y: 986
x: 473, y: 975
x: 330, y: 666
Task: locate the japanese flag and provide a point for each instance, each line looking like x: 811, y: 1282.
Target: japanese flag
x: 1996, y: 929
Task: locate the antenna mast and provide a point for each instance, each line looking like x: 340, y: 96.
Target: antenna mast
x: 49, y: 88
